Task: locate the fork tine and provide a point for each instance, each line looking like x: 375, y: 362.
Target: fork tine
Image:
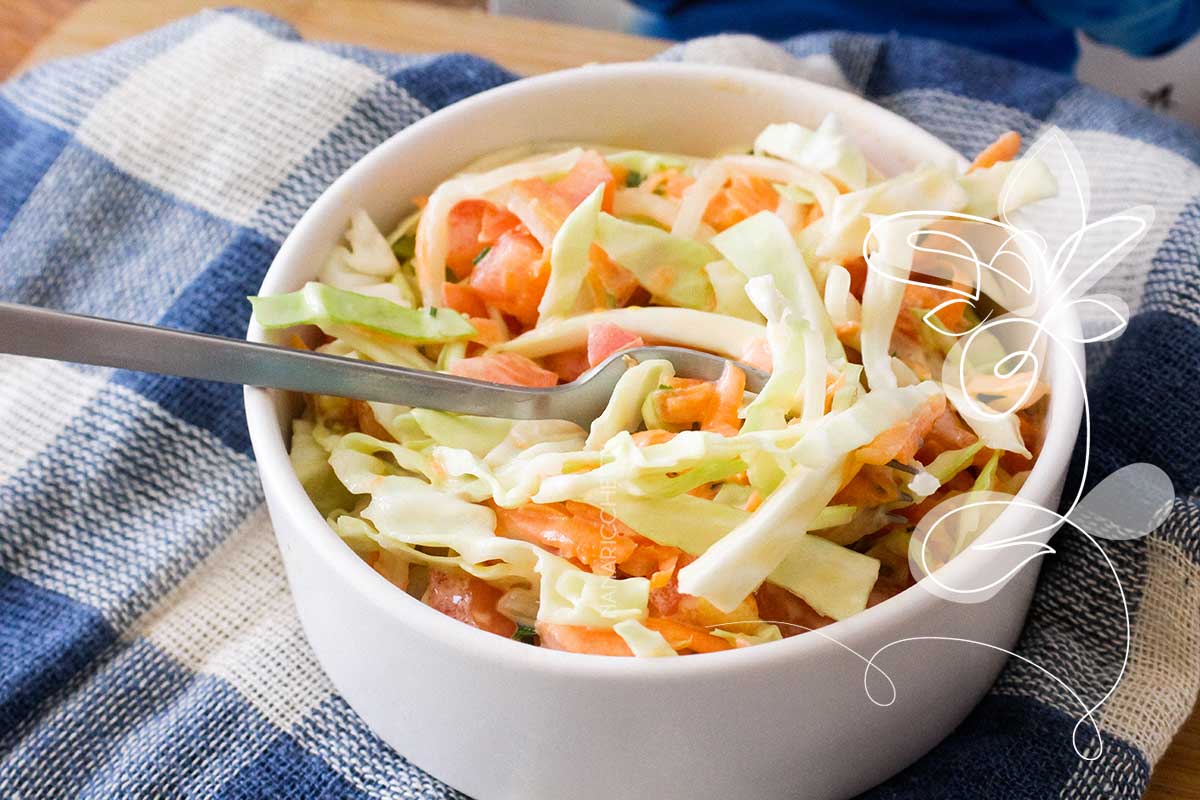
x: 585, y: 398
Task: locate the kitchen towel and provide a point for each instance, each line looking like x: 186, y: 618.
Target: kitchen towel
x: 148, y: 645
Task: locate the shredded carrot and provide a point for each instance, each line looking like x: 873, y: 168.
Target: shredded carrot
x: 1005, y: 148
x: 611, y: 285
x: 513, y: 369
x: 653, y: 436
x: 729, y: 388
x: 815, y: 212
x: 926, y: 298
x: 858, y: 276
x: 948, y: 432
x: 677, y: 183
x: 754, y: 501
x: 580, y: 639
x: 743, y: 197
x: 687, y: 637
x: 686, y: 405
x: 650, y: 560
x: 488, y: 331
x: 901, y: 442
x: 848, y: 331
x: 871, y: 486
x: 757, y: 354
x: 367, y: 423
x: 575, y: 531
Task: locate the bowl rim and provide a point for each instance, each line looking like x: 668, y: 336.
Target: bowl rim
x: 280, y: 481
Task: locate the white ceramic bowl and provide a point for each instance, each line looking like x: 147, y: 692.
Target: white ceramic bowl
x: 498, y: 719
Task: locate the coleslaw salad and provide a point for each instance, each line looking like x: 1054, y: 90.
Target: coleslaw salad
x: 692, y: 517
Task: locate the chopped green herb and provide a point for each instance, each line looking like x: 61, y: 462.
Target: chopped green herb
x: 664, y: 387
x: 634, y: 178
x: 526, y: 634
x: 479, y: 256
x: 405, y: 247
x: 433, y: 311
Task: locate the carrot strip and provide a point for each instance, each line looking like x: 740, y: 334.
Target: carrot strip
x: 655, y: 436
x: 687, y: 405
x: 682, y: 636
x: 509, y: 368
x: 580, y: 639
x: 1005, y: 148
x: 901, y: 442
x: 729, y: 388
x: 575, y: 531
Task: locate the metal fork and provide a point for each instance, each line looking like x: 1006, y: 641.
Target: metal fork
x: 42, y: 333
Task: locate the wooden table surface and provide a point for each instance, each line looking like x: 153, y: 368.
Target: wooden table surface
x: 35, y: 30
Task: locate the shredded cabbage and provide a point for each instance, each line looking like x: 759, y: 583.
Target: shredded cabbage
x: 836, y: 581
x: 311, y: 462
x: 624, y: 409
x: 697, y: 197
x: 570, y: 596
x: 729, y: 286
x: 669, y: 267
x: 785, y: 389
x: 882, y: 296
x: 639, y: 205
x: 644, y: 642
x: 479, y: 435
x: 927, y: 188
x: 736, y: 565
x: 951, y: 462
x: 739, y: 562
x: 762, y: 245
x: 569, y: 260
x: 369, y: 251
x: 687, y: 327
x: 325, y: 307
x: 761, y: 634
x: 412, y: 513
x: 827, y: 150
x: 1013, y: 183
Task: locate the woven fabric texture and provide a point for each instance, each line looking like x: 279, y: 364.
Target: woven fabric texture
x: 148, y: 646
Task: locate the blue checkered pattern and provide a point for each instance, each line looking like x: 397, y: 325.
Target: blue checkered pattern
x: 147, y: 644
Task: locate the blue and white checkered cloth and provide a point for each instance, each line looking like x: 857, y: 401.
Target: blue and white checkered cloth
x: 148, y: 645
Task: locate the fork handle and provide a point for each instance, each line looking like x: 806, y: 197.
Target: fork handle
x: 43, y: 333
